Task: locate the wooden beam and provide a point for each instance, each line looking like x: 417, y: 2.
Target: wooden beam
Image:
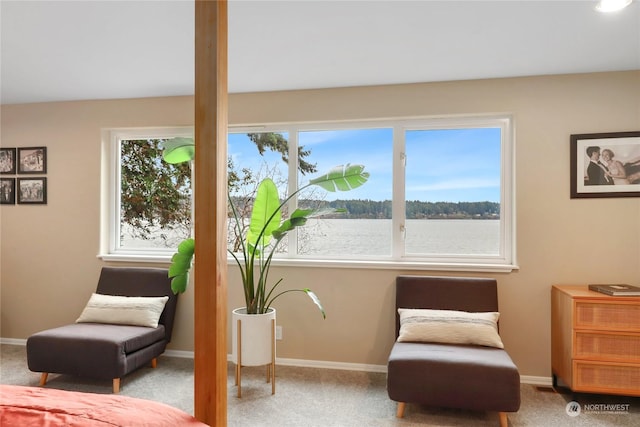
x: 210, y: 360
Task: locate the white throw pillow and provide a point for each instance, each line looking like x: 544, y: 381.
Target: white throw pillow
x: 119, y: 310
x: 449, y: 327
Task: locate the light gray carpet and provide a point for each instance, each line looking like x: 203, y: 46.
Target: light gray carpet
x: 309, y: 397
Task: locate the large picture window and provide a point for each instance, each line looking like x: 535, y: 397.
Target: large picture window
x: 440, y: 193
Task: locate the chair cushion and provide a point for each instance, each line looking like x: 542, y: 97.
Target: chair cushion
x: 454, y: 376
x: 126, y: 339
x: 94, y: 349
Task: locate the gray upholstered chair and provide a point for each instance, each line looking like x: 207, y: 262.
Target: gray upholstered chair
x: 464, y: 376
x: 107, y: 351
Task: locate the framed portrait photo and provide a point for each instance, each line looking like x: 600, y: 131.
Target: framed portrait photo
x: 7, y: 160
x: 32, y: 160
x: 32, y: 191
x: 7, y: 191
x: 605, y: 165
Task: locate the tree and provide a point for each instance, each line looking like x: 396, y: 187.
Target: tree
x: 156, y: 196
x: 276, y: 142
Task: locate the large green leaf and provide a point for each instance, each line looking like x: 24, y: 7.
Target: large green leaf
x: 180, y: 265
x: 342, y: 178
x: 266, y: 214
x: 179, y: 283
x: 179, y: 150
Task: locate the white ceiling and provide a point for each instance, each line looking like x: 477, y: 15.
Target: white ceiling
x: 73, y: 50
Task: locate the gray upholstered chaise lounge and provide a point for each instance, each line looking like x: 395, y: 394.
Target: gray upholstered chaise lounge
x: 107, y: 351
x: 461, y: 376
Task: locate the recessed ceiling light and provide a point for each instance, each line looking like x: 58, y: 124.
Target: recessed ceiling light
x: 612, y: 5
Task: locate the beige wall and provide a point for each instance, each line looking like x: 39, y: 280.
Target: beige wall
x: 48, y: 253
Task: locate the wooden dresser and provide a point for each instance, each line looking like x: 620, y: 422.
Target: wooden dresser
x: 595, y: 341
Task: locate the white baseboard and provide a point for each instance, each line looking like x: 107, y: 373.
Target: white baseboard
x: 179, y: 353
x: 13, y: 341
x: 542, y: 381
x: 322, y: 364
x: 302, y: 363
x: 299, y: 362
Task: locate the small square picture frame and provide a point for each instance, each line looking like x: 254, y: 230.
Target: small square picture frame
x: 7, y: 161
x: 32, y: 191
x: 7, y: 191
x: 32, y: 160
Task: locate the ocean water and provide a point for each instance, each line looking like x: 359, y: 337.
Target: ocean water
x: 372, y: 237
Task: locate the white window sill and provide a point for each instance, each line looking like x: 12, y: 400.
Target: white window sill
x: 369, y: 265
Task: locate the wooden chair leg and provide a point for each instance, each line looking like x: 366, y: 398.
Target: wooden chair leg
x: 400, y: 412
x: 43, y: 378
x: 154, y: 362
x: 116, y: 385
x: 504, y: 421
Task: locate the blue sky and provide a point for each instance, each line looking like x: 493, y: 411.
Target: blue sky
x: 442, y: 165
x: 453, y: 165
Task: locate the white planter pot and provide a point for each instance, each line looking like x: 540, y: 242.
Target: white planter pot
x: 258, y: 337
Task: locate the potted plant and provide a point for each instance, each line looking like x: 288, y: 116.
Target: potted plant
x: 266, y: 230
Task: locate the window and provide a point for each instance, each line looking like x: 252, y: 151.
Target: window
x: 150, y: 200
x: 453, y: 192
x: 254, y: 156
x: 365, y: 230
x: 440, y: 193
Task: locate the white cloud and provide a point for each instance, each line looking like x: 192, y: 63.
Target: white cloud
x: 317, y: 137
x: 457, y: 184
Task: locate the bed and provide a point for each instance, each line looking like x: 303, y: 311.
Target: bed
x: 34, y: 406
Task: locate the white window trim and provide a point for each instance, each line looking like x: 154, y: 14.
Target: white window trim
x: 506, y: 262
x: 507, y: 254
x: 110, y: 200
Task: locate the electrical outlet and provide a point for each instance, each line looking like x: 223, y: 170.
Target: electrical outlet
x: 278, y: 332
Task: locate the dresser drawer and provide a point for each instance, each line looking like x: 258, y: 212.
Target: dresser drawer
x: 607, y: 346
x: 607, y: 316
x: 606, y: 378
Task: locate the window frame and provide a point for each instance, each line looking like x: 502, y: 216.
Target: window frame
x: 504, y: 262
x: 507, y: 255
x: 111, y: 175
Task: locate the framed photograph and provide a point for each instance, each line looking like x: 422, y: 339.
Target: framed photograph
x: 605, y: 165
x: 32, y: 160
x: 7, y: 160
x: 7, y: 191
x: 32, y: 191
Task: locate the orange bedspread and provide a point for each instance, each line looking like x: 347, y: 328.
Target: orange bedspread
x: 44, y: 407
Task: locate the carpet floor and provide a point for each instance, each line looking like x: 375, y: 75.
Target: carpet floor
x: 309, y: 397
